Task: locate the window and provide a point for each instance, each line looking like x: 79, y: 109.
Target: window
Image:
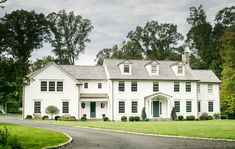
x: 134, y: 86
x: 121, y: 107
x: 153, y: 68
x: 198, y: 88
x: 176, y: 86
x: 155, y: 86
x: 121, y: 86
x: 180, y: 69
x: 99, y: 85
x: 210, y: 106
x: 188, y: 106
x: 52, y: 86
x: 65, y: 107
x: 210, y: 88
x: 86, y: 85
x: 160, y: 108
x: 188, y: 86
x: 43, y: 85
x: 177, y: 106
x: 134, y: 107
x: 59, y: 86
x: 126, y: 68
x: 199, y: 106
x: 37, y: 107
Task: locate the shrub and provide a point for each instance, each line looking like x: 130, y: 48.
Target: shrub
x: 131, y: 118
x: 37, y: 116
x: 8, y: 142
x: 45, y: 117
x: 190, y: 117
x: 216, y: 115
x: 143, y: 114
x: 181, y: 117
x: 173, y: 114
x: 57, y: 117
x: 52, y: 110
x: 4, y: 136
x: 67, y: 118
x: 103, y: 115
x: 14, y: 143
x: 204, y: 116
x: 29, y: 117
x: 224, y: 117
x: 146, y: 119
x: 137, y: 118
x: 210, y: 117
x: 124, y: 118
x: 106, y: 119
x: 83, y: 118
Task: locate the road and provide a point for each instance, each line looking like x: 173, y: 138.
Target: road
x: 84, y: 138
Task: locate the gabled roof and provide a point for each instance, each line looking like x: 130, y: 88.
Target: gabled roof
x: 125, y: 62
x: 152, y: 62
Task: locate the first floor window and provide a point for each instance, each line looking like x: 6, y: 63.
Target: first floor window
x: 176, y: 86
x: 134, y: 86
x: 188, y: 86
x: 199, y: 106
x: 43, y: 85
x: 65, y: 107
x: 121, y: 106
x: 37, y: 107
x: 59, y: 86
x: 155, y: 86
x: 177, y: 106
x: 52, y: 86
x: 86, y: 85
x: 134, y: 107
x: 188, y: 106
x: 210, y: 106
x: 121, y: 86
x: 99, y: 85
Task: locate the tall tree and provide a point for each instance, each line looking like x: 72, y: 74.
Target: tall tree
x: 2, y: 1
x: 156, y: 40
x: 69, y: 34
x: 39, y: 63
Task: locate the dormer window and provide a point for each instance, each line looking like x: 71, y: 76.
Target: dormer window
x: 180, y: 69
x: 126, y: 68
x: 154, y: 69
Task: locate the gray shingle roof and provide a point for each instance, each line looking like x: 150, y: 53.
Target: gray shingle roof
x: 206, y: 76
x: 85, y: 72
x: 139, y: 71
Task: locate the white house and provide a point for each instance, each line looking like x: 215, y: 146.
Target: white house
x: 123, y: 88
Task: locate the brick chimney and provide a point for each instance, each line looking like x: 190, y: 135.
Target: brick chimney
x: 185, y: 56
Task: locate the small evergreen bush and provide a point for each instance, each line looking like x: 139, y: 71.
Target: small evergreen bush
x: 45, y: 117
x: 124, y: 118
x: 137, y: 118
x: 180, y: 117
x: 131, y: 118
x: 57, y: 117
x: 143, y: 114
x: 210, y: 117
x: 190, y: 117
x: 173, y: 114
x: 106, y: 119
x: 224, y: 117
x: 83, y: 118
x: 146, y: 119
x: 29, y: 117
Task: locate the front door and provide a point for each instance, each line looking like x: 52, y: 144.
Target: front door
x: 93, y: 109
x: 155, y: 108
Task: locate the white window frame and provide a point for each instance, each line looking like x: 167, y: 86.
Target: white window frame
x: 209, y: 106
x: 119, y: 86
x: 65, y: 109
x: 45, y: 87
x: 134, y: 86
x: 124, y: 108
x: 179, y: 106
x: 188, y: 87
x: 86, y: 85
x: 180, y: 69
x: 126, y: 67
x: 210, y: 88
x: 37, y: 109
x: 154, y: 69
x: 100, y: 85
x: 136, y: 106
x: 175, y: 84
x: 51, y: 87
x: 198, y: 88
x: 59, y: 88
x: 155, y: 86
x: 189, y: 101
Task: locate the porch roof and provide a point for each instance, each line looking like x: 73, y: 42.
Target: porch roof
x: 158, y: 93
x: 92, y: 95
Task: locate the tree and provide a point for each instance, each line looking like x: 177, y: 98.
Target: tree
x: 228, y: 73
x: 2, y: 1
x: 173, y: 114
x: 39, y: 63
x: 52, y: 110
x: 156, y: 40
x: 69, y: 35
x: 143, y: 114
x: 226, y: 16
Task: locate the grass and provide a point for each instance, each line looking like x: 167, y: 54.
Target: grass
x: 35, y: 138
x: 219, y: 129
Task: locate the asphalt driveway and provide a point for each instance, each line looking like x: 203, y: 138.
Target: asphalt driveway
x: 89, y: 139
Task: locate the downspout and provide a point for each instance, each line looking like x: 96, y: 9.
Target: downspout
x: 112, y: 102
x: 23, y: 102
x: 79, y: 109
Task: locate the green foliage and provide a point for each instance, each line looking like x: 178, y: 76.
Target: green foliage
x: 57, y: 117
x: 29, y: 117
x: 226, y: 16
x: 137, y: 118
x: 46, y: 117
x: 146, y: 119
x: 67, y: 118
x: 9, y: 142
x: 224, y: 116
x: 52, y: 110
x: 216, y: 115
x: 4, y: 136
x: 190, y: 117
x: 39, y: 63
x: 210, y: 117
x: 131, y: 118
x: 83, y: 117
x: 124, y: 118
x: 203, y: 116
x: 173, y: 114
x: 143, y: 114
x: 69, y: 35
x: 106, y: 119
x: 180, y: 117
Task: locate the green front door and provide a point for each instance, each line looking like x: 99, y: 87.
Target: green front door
x: 93, y: 109
x: 155, y: 108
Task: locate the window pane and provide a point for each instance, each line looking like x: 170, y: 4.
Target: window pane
x: 188, y: 87
x: 121, y: 107
x: 126, y: 69
x: 199, y: 106
x: 177, y: 106
x: 37, y: 107
x: 198, y: 88
x: 188, y: 106
x: 210, y: 89
x: 65, y: 107
x: 85, y: 85
x: 121, y: 86
x: 99, y: 85
x: 176, y: 86
x: 153, y: 68
x: 155, y: 86
x: 43, y: 85
x: 180, y: 69
x: 134, y: 107
x: 60, y: 86
x: 134, y: 86
x: 52, y: 86
x: 210, y: 106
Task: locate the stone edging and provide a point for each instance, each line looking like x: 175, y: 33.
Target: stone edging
x: 62, y: 145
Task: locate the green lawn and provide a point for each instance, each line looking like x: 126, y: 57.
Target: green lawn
x: 35, y: 138
x: 220, y: 129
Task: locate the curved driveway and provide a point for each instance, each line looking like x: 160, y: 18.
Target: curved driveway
x: 84, y: 138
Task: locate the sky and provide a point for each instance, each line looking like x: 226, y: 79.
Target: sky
x: 113, y: 19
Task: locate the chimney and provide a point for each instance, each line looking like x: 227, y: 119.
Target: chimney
x: 185, y: 56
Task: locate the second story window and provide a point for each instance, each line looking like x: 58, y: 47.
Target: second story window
x: 188, y: 86
x: 155, y: 86
x: 59, y: 86
x: 154, y: 69
x: 180, y: 69
x: 44, y: 86
x: 52, y: 86
x: 99, y: 85
x: 86, y: 85
x: 134, y: 86
x: 126, y: 68
x: 210, y: 88
x: 198, y: 88
x: 121, y: 86
x: 176, y: 86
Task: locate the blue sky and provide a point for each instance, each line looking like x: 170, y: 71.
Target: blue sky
x: 113, y: 19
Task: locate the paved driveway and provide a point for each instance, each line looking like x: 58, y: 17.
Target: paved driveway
x: 90, y: 139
